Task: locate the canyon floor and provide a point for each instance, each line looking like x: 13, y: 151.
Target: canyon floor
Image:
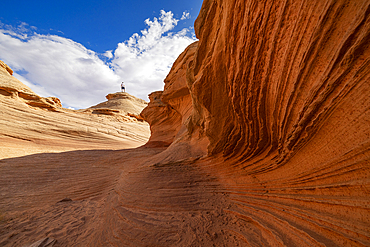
x: 127, y: 198
x: 117, y: 198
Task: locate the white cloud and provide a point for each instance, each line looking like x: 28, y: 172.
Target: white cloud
x: 56, y: 66
x: 185, y: 15
x: 144, y: 60
x: 109, y: 54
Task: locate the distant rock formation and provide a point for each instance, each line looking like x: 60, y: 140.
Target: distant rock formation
x: 6, y: 67
x: 32, y: 124
x: 120, y: 103
x: 12, y: 87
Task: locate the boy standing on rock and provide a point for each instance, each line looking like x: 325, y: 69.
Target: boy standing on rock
x: 123, y: 89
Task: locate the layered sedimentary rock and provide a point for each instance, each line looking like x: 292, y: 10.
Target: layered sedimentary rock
x: 286, y: 68
x: 13, y: 88
x: 169, y: 110
x: 6, y: 67
x: 120, y: 103
x: 33, y: 124
x: 281, y: 92
x: 164, y: 120
x: 171, y: 115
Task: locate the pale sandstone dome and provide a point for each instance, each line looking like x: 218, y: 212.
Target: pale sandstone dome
x: 260, y: 138
x: 33, y: 124
x: 122, y: 103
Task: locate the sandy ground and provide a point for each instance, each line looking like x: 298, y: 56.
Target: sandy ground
x: 127, y: 198
x: 111, y: 198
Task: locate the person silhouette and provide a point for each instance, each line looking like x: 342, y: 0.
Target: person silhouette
x: 123, y: 89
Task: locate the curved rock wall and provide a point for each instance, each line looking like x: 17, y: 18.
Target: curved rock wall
x: 164, y: 121
x: 281, y: 92
x: 171, y: 112
x: 278, y: 71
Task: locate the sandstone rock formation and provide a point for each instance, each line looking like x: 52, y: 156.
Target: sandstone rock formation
x: 163, y: 119
x: 6, y: 67
x: 261, y: 137
x: 171, y: 115
x: 10, y: 86
x: 120, y: 103
x: 33, y: 124
x: 281, y: 92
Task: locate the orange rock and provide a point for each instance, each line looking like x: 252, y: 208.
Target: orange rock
x: 164, y: 121
x: 280, y: 90
x: 171, y: 113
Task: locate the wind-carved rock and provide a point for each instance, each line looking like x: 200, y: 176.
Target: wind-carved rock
x: 32, y: 124
x: 163, y: 119
x: 12, y: 87
x: 6, y: 67
x: 172, y: 114
x: 120, y: 103
x: 279, y: 94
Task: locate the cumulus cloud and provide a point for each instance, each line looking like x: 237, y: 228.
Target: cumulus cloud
x: 185, y: 15
x: 57, y: 66
x: 109, y: 54
x: 52, y: 65
x: 144, y: 60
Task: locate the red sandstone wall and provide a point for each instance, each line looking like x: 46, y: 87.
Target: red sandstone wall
x: 278, y: 70
x: 280, y: 97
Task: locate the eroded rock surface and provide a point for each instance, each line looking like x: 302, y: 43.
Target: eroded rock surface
x: 281, y: 92
x: 171, y: 114
x: 33, y: 124
x: 122, y: 103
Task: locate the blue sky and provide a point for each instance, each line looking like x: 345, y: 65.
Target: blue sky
x: 80, y: 50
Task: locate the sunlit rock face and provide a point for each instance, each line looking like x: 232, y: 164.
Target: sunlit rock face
x: 279, y: 72
x: 122, y: 103
x: 171, y: 112
x: 280, y: 92
x: 13, y: 88
x: 164, y: 121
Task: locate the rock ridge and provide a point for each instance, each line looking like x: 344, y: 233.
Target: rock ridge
x: 120, y: 103
x: 33, y: 124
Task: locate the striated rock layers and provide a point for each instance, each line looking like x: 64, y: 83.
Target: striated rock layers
x: 172, y: 113
x: 10, y: 86
x: 33, y: 124
x: 279, y: 92
x: 121, y: 103
x: 261, y: 137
